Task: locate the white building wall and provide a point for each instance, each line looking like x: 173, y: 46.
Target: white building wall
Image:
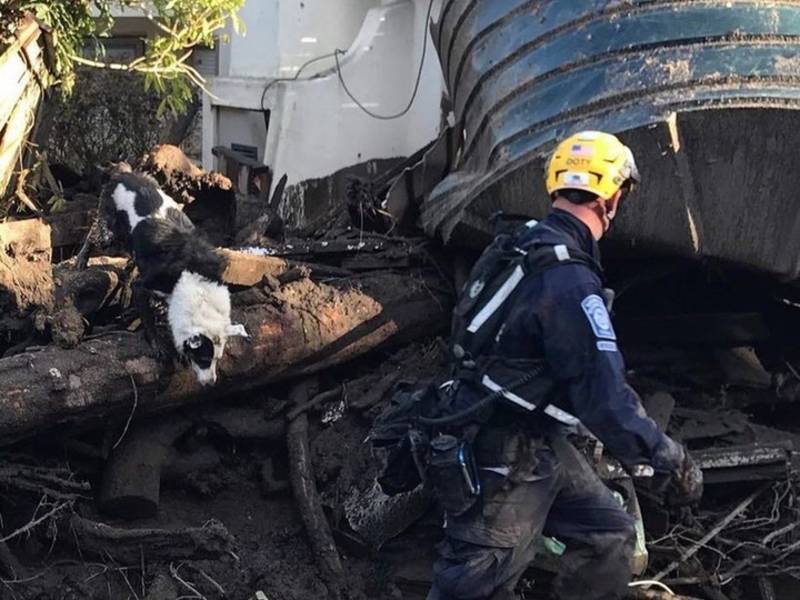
x: 281, y: 35
x: 315, y: 128
x: 254, y: 53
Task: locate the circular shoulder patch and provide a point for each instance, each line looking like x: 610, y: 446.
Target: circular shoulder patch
x: 595, y: 310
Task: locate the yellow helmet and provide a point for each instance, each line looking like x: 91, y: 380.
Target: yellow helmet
x: 593, y: 161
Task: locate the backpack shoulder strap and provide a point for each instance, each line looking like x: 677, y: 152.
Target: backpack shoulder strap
x: 481, y: 314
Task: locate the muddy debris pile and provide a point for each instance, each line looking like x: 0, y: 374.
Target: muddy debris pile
x: 123, y: 477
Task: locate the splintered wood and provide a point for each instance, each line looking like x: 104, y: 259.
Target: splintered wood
x: 21, y: 71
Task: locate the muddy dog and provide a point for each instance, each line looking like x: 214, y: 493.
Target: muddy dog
x: 177, y: 264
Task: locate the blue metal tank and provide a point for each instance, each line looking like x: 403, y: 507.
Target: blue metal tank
x: 705, y: 92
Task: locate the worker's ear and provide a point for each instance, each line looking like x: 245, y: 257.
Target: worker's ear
x: 612, y: 204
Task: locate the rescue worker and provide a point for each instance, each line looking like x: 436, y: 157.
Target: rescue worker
x: 532, y: 479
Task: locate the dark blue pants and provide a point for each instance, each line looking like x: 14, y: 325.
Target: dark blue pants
x: 552, y: 490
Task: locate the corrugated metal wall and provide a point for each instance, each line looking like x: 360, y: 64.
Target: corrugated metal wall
x: 705, y: 92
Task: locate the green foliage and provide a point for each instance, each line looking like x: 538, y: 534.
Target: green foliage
x: 73, y: 24
x: 185, y: 24
x: 182, y: 26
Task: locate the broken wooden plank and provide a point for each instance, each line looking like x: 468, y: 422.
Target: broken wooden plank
x: 15, y: 73
x: 701, y: 424
x: 246, y: 269
x: 744, y: 463
x: 17, y: 126
x: 362, y: 243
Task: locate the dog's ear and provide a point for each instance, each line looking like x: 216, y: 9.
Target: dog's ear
x: 237, y: 330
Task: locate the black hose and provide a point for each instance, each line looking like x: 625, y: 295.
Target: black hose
x: 480, y: 404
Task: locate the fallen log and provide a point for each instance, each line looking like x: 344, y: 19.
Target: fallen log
x: 132, y: 480
x: 100, y: 285
x: 300, y: 328
x: 141, y: 458
x: 304, y: 488
x: 128, y: 546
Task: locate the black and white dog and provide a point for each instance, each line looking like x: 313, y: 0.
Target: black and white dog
x: 175, y: 262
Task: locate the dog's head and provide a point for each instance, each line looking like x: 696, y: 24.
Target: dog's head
x: 203, y: 352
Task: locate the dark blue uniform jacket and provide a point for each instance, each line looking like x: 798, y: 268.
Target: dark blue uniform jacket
x: 560, y: 315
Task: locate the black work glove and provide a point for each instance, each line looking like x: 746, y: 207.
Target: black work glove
x: 677, y: 480
x: 685, y: 485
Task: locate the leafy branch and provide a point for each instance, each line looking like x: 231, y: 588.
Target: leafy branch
x: 182, y: 25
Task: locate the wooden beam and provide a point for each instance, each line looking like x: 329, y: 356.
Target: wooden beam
x: 301, y: 328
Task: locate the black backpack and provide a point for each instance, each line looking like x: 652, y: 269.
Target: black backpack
x: 481, y: 311
x: 401, y: 436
